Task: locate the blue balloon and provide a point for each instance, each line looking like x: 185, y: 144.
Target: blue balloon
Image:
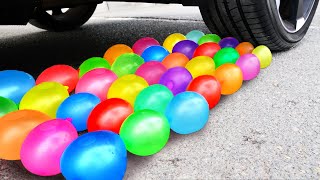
x: 14, y: 84
x: 194, y: 35
x: 188, y: 112
x: 98, y: 155
x: 154, y: 53
x: 78, y: 107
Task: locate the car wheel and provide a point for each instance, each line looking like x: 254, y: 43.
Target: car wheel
x: 278, y: 24
x: 62, y: 19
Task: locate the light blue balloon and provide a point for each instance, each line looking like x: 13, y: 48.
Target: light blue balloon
x: 188, y: 112
x: 194, y: 35
x: 14, y: 84
x: 154, y: 53
x: 78, y: 107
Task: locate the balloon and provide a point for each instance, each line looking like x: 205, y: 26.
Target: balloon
x: 201, y: 65
x: 174, y: 60
x: 61, y: 73
x: 151, y: 71
x: 96, y: 155
x: 209, y: 38
x: 78, y: 107
x: 97, y: 82
x: 45, y: 97
x: 14, y: 84
x: 145, y: 132
x: 228, y: 42
x: 109, y: 115
x: 249, y: 65
x: 115, y: 51
x: 176, y: 79
x: 172, y: 40
x: 264, y: 55
x: 126, y: 63
x: 154, y: 53
x: 42, y: 149
x: 188, y: 112
x: 230, y: 78
x: 245, y: 48
x: 93, y: 63
x: 186, y: 47
x: 140, y: 45
x: 155, y: 97
x: 209, y: 87
x: 226, y: 55
x: 14, y: 128
x: 194, y: 35
x: 207, y: 49
x: 7, y: 106
x: 127, y: 88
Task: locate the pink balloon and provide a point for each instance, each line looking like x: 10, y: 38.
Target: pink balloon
x: 97, y: 82
x: 143, y: 43
x: 249, y: 65
x: 43, y: 147
x: 151, y: 71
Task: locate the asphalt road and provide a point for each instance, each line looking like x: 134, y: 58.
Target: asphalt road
x: 269, y: 129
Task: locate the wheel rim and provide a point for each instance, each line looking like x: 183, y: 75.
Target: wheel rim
x: 294, y: 13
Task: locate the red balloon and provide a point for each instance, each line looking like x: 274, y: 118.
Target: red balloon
x: 207, y: 49
x: 61, y: 73
x: 209, y: 87
x: 109, y: 115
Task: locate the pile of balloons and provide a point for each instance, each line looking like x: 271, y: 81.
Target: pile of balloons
x: 82, y: 121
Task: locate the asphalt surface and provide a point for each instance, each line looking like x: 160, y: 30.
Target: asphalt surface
x: 269, y: 129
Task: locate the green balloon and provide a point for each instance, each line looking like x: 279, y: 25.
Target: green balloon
x: 93, y: 63
x: 126, y: 63
x: 155, y: 97
x: 209, y: 38
x: 145, y: 132
x: 7, y: 106
x: 226, y: 55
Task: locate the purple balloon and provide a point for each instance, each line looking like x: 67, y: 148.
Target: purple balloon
x: 186, y: 47
x: 176, y: 79
x: 249, y: 65
x: 228, y: 42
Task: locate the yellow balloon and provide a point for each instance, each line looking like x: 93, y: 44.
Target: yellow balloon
x: 172, y: 40
x: 127, y: 88
x: 201, y: 65
x: 264, y: 55
x: 45, y: 97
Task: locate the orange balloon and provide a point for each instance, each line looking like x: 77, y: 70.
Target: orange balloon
x: 115, y: 51
x: 14, y: 128
x: 230, y: 78
x: 244, y: 48
x: 174, y: 60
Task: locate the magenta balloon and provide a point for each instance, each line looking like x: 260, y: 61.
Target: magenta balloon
x: 176, y: 79
x: 151, y: 71
x: 97, y: 82
x: 249, y: 65
x: 43, y: 147
x: 143, y: 43
x: 186, y: 47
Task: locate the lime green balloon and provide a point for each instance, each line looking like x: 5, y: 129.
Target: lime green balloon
x: 145, y: 132
x: 93, y: 63
x: 264, y: 55
x: 7, y: 106
x: 209, y: 38
x: 155, y: 97
x: 226, y: 55
x: 126, y: 63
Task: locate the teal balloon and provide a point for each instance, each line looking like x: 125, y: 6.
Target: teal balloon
x: 155, y: 97
x: 7, y: 106
x: 126, y: 63
x: 194, y: 35
x: 93, y: 63
x: 226, y: 55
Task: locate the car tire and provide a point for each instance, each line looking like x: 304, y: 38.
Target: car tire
x: 273, y: 23
x: 73, y: 18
